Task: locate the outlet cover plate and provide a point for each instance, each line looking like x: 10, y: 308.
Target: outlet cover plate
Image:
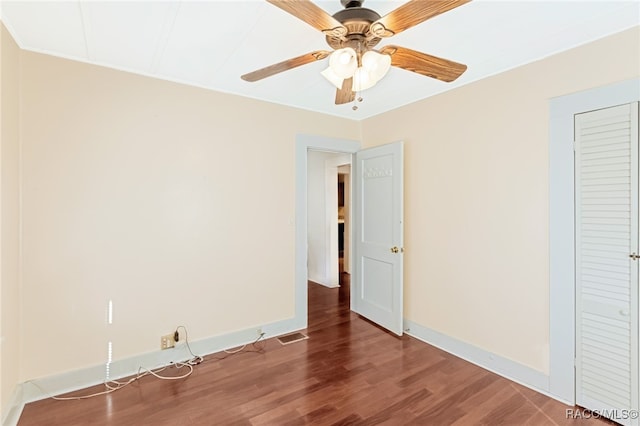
x: 167, y: 341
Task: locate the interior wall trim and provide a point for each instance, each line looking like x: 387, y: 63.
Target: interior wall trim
x: 13, y: 411
x: 42, y: 388
x: 304, y: 143
x: 500, y: 365
x: 562, y: 223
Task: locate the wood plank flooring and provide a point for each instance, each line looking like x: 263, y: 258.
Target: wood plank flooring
x: 349, y: 372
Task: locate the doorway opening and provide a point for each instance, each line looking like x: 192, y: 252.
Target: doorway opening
x: 328, y: 220
x: 377, y: 231
x: 344, y: 209
x: 304, y: 145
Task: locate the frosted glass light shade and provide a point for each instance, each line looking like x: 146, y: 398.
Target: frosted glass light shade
x: 344, y: 62
x: 377, y: 64
x: 332, y: 77
x: 362, y: 80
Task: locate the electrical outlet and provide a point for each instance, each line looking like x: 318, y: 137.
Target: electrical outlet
x: 167, y: 341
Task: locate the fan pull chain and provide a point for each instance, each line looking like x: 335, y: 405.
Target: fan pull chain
x: 359, y: 99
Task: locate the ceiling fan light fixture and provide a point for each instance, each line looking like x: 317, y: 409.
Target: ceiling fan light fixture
x: 333, y: 78
x: 353, y: 33
x: 343, y: 62
x: 377, y: 64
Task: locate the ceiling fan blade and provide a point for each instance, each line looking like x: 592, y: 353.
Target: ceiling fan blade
x: 313, y: 15
x: 345, y: 95
x: 410, y: 14
x: 285, y: 65
x: 421, y: 63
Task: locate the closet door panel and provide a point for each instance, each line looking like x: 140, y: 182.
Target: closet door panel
x: 606, y: 160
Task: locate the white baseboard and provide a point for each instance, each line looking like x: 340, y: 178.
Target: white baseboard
x: 328, y: 285
x: 504, y: 367
x: 322, y: 283
x: 45, y: 387
x: 13, y: 411
x: 37, y: 389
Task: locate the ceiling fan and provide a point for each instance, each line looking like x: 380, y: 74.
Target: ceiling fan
x: 354, y: 64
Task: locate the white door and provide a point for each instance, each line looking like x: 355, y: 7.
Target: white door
x: 377, y: 269
x: 606, y: 181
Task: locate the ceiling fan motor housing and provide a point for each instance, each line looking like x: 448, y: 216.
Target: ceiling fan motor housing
x: 357, y: 20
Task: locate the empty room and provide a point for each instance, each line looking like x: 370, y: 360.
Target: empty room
x: 270, y: 212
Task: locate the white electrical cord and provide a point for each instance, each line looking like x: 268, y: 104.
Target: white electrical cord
x: 243, y: 347
x: 114, y: 385
x: 196, y: 359
x: 142, y: 372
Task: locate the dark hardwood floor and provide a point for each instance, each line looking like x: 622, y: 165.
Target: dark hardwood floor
x: 349, y: 372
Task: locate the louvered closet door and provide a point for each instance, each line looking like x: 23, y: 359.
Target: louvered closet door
x: 606, y: 165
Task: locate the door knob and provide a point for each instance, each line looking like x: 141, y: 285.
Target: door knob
x: 634, y: 256
x: 395, y: 249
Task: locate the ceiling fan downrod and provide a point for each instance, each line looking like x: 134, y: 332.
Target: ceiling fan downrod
x: 351, y: 3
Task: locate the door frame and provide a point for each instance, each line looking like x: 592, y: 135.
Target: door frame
x: 562, y: 225
x: 304, y: 143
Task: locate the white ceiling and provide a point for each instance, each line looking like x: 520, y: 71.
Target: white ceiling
x: 211, y: 43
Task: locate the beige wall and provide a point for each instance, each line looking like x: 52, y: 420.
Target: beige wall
x: 128, y: 195
x: 9, y: 218
x: 476, y: 197
x: 131, y: 193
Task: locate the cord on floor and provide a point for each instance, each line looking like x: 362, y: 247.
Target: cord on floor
x: 114, y: 385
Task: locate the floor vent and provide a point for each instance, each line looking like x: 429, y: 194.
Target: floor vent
x: 292, y: 338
